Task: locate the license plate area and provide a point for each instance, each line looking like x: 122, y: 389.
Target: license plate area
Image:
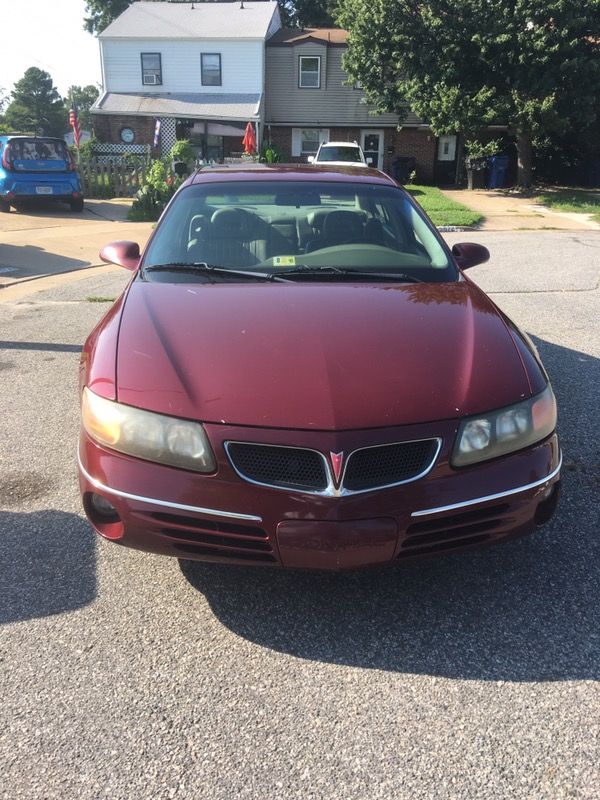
x: 43, y: 190
x: 321, y: 544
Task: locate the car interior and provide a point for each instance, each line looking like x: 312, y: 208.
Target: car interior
x: 314, y: 227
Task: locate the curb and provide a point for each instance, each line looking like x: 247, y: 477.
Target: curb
x: 38, y: 283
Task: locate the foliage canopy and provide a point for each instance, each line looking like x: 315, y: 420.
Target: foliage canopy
x: 533, y: 65
x: 36, y: 105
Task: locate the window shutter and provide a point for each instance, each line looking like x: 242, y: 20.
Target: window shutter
x: 296, y: 145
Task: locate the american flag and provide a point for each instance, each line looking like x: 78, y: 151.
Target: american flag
x: 74, y: 123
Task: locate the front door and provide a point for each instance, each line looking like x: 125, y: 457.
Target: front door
x: 372, y: 144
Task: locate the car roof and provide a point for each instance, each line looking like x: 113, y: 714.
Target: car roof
x: 31, y: 136
x: 284, y: 172
x: 340, y: 144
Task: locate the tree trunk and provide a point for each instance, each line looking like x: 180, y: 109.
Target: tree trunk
x: 524, y: 162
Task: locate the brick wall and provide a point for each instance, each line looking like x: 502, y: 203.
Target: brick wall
x: 107, y: 128
x: 421, y: 145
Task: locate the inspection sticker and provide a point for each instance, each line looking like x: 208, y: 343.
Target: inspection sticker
x: 284, y: 261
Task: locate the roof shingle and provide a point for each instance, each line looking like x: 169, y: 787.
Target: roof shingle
x: 214, y: 20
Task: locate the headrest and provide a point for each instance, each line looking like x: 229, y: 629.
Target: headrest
x: 344, y: 223
x: 233, y: 222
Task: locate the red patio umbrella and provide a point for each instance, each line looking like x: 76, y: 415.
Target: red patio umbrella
x: 249, y: 140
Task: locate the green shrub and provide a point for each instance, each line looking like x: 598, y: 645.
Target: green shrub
x: 159, y: 186
x: 271, y: 154
x: 182, y: 150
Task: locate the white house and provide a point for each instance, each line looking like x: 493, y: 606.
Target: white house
x: 197, y: 68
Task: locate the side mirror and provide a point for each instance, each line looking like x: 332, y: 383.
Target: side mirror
x: 469, y: 254
x: 369, y: 161
x: 311, y: 159
x: 124, y: 254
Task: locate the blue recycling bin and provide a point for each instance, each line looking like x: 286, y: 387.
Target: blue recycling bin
x: 498, y: 167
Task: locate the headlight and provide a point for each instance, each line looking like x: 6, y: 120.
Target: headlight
x: 144, y: 434
x: 506, y: 430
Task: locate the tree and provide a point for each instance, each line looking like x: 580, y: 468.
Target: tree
x: 84, y: 97
x: 308, y: 13
x: 465, y: 64
x: 36, y: 105
x: 102, y: 12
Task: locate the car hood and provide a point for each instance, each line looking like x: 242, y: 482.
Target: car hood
x: 322, y: 356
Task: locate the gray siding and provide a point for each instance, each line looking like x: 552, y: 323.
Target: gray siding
x: 333, y: 105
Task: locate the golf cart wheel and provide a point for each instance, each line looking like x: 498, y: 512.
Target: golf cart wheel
x: 77, y: 205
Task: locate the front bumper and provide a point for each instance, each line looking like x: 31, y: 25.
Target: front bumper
x: 223, y: 518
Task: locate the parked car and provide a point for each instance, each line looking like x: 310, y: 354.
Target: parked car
x: 300, y: 374
x: 37, y: 168
x: 340, y: 154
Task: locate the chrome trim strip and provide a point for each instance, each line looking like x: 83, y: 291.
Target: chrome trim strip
x: 163, y: 503
x: 332, y: 490
x: 489, y: 497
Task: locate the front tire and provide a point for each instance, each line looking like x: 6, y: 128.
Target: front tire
x: 77, y: 205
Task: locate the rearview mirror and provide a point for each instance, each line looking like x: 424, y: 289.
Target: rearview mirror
x: 311, y: 159
x: 469, y: 254
x: 124, y: 254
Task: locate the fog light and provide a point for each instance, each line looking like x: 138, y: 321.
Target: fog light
x: 104, y: 508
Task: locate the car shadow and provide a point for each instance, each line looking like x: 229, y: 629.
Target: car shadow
x: 526, y: 610
x: 47, y: 564
x: 22, y: 261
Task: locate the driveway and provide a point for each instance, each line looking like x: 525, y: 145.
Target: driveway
x: 504, y: 211
x: 467, y: 677
x: 46, y: 241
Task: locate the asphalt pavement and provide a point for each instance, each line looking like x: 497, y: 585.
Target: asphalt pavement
x: 128, y: 675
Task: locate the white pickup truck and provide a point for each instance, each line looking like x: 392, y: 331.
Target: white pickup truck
x: 340, y: 154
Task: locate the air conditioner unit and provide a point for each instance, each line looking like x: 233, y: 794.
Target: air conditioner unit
x: 150, y: 80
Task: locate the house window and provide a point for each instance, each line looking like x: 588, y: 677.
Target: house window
x: 310, y: 72
x: 309, y: 141
x: 151, y: 69
x: 306, y: 141
x: 211, y: 69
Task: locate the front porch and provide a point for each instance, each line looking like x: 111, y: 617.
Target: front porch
x: 214, y: 123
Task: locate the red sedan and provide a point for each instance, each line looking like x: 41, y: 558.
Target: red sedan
x: 299, y: 374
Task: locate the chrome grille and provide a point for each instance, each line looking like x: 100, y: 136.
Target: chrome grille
x: 283, y: 467
x: 385, y: 465
x: 307, y: 470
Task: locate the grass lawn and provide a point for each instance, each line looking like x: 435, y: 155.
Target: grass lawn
x: 441, y: 209
x: 572, y: 200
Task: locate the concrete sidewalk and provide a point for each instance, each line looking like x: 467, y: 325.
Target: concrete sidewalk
x: 37, y: 242
x: 507, y: 212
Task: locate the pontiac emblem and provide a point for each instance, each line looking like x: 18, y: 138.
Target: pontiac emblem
x: 337, y: 461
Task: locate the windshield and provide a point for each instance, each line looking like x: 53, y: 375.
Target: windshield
x: 273, y: 226
x: 339, y: 153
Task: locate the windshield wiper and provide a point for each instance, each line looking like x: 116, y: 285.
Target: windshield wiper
x: 307, y: 270
x: 202, y: 266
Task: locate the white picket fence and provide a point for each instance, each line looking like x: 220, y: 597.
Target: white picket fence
x: 105, y: 178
